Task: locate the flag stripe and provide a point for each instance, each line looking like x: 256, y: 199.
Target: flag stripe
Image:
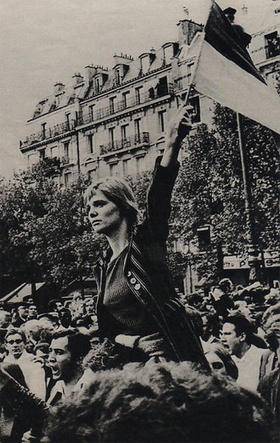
x: 224, y: 81
x: 220, y: 34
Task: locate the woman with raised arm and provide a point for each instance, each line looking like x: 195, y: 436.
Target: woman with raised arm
x: 137, y: 305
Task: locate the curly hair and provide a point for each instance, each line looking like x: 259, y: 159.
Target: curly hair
x: 158, y: 403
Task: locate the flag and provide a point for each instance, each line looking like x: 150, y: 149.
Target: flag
x: 226, y: 73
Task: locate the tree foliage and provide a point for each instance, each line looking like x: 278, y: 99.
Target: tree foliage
x: 45, y: 234
x: 209, y: 189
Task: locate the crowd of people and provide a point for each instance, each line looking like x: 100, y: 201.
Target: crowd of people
x: 60, y: 382
x: 140, y: 363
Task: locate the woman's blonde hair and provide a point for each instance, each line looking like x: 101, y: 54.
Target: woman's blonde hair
x: 119, y: 192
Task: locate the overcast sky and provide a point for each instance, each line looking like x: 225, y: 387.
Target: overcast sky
x: 45, y: 41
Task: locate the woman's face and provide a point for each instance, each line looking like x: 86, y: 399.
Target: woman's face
x: 216, y: 363
x: 104, y: 215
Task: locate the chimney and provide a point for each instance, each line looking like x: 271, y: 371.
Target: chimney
x: 58, y: 87
x: 90, y: 71
x: 187, y: 29
x: 77, y: 79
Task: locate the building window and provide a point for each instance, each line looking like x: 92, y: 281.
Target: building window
x: 272, y: 44
x: 195, y: 103
x: 66, y: 152
x: 162, y: 87
x: 113, y: 169
x: 125, y: 167
x: 124, y: 99
x: 42, y: 154
x: 168, y: 53
x: 112, y: 137
x: 32, y: 159
x: 189, y: 72
x: 118, y: 76
x: 138, y: 95
x: 138, y: 164
x: 54, y: 152
x: 124, y: 132
x: 145, y: 64
x: 90, y: 112
x: 67, y: 178
x: 68, y: 121
x: 137, y: 131
x: 112, y: 104
x: 162, y: 117
x: 91, y: 143
x: 43, y: 126
x: 97, y: 85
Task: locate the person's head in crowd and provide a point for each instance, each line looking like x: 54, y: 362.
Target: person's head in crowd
x: 210, y: 325
x: 5, y: 319
x: 41, y: 352
x: 19, y: 314
x: 220, y: 360
x: 15, y: 342
x: 32, y: 330
x: 118, y: 193
x: 159, y: 403
x: 238, y: 334
x: 90, y: 306
x: 241, y: 306
x: 32, y: 311
x: 49, y: 320
x: 273, y: 296
x: 22, y: 311
x: 3, y: 352
x: 271, y: 326
x: 195, y: 300
x: 65, y: 317
x: 55, y: 305
x: 226, y: 285
x: 67, y: 349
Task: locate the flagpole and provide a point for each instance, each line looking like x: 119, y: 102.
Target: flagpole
x: 196, y: 62
x: 254, y: 264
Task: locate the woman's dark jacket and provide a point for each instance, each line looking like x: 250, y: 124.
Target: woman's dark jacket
x: 148, y: 276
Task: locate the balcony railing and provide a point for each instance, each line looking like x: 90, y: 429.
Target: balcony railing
x: 128, y: 142
x: 49, y: 133
x: 122, y: 105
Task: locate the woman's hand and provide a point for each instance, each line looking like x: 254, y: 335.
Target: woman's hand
x: 178, y: 128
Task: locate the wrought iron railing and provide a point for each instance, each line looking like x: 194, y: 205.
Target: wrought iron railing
x: 126, y: 143
x: 49, y: 133
x: 122, y: 105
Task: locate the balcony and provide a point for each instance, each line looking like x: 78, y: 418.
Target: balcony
x: 152, y: 94
x: 127, y: 143
x: 48, y: 133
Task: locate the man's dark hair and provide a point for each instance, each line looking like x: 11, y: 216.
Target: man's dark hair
x: 78, y: 344
x: 242, y: 325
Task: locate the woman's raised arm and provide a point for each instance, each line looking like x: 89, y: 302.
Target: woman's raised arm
x: 178, y: 128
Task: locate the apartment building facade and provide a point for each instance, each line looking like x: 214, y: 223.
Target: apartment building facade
x: 110, y: 121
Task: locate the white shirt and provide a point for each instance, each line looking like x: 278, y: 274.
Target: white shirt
x: 249, y: 368
x: 33, y: 373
